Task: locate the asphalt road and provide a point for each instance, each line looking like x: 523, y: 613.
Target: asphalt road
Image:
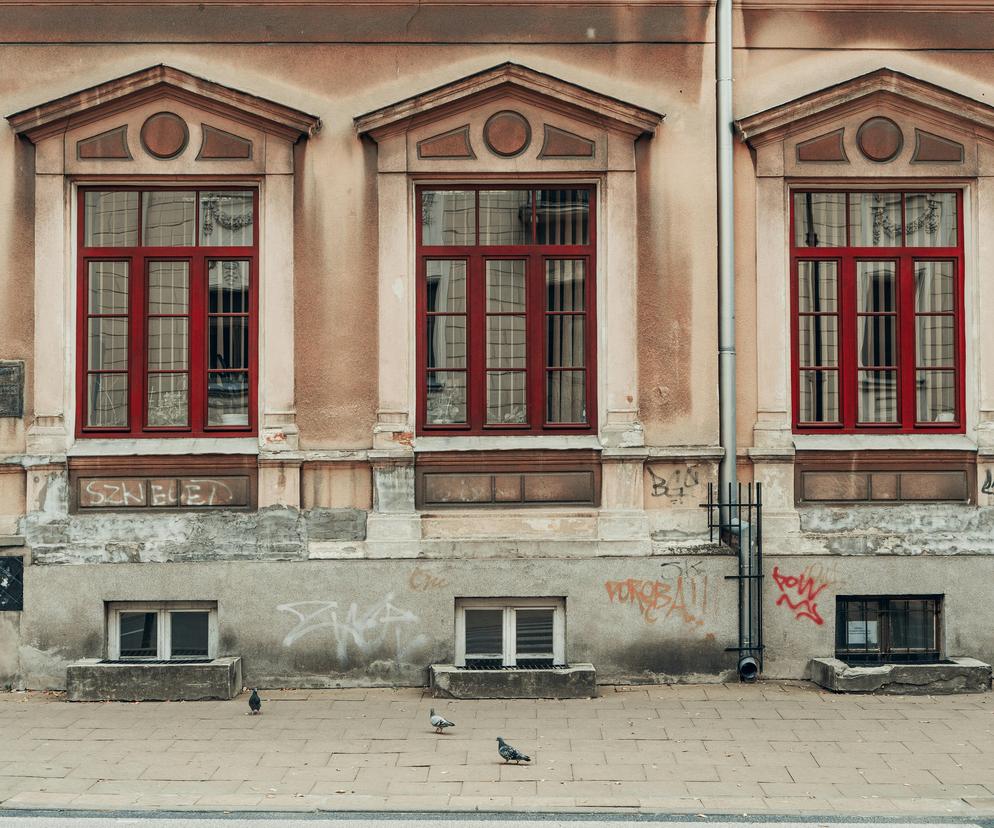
x: 53, y: 819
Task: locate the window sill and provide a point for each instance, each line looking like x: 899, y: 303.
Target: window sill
x: 549, y: 442
x: 91, y: 679
x: 85, y: 447
x: 957, y: 675
x: 884, y: 442
x: 577, y: 681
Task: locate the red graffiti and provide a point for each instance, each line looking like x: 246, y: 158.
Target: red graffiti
x: 806, y: 589
x: 681, y: 598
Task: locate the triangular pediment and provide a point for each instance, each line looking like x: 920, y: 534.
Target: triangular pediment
x: 818, y: 113
x: 509, y: 81
x: 155, y: 83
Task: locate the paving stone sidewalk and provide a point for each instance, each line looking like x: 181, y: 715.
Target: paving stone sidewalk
x: 744, y: 749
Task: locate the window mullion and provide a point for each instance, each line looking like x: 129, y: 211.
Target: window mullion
x: 137, y: 344
x: 849, y: 338
x: 510, y: 637
x: 197, y: 358
x: 476, y: 344
x: 535, y: 306
x: 908, y: 347
x: 164, y: 645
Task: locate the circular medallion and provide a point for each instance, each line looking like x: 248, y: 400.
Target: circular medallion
x: 164, y: 135
x: 879, y: 139
x: 507, y: 133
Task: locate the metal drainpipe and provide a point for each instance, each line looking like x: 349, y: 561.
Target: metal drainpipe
x: 727, y: 474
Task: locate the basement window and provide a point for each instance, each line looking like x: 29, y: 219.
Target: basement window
x: 884, y: 629
x: 494, y: 633
x: 167, y: 631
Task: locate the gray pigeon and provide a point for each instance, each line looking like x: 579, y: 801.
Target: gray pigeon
x: 439, y: 722
x: 510, y: 754
x: 255, y: 703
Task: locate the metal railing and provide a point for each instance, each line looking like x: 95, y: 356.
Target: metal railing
x: 736, y: 520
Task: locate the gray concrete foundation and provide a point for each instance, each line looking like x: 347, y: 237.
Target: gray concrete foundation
x: 578, y: 681
x: 956, y: 675
x: 91, y: 680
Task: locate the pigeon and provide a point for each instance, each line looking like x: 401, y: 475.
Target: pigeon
x: 255, y: 703
x: 439, y: 722
x: 510, y: 754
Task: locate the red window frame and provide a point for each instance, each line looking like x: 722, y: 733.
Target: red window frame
x: 847, y: 313
x: 198, y: 311
x: 535, y: 255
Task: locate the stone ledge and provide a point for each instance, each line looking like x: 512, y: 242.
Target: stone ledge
x: 578, y: 681
x: 956, y: 675
x: 89, y: 680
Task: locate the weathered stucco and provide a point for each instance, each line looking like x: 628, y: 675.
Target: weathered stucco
x: 337, y: 579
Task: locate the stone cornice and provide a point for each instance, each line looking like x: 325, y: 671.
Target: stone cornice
x: 773, y: 123
x: 155, y: 82
x: 517, y: 81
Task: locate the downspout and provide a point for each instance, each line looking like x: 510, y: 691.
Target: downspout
x: 727, y: 472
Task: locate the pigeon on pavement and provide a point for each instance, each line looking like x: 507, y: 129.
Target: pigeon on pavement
x: 255, y: 703
x: 510, y: 754
x: 439, y: 722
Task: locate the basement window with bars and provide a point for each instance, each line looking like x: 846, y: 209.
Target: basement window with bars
x: 168, y: 631
x: 496, y: 633
x: 878, y: 629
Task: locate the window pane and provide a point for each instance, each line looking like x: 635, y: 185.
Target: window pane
x: 505, y: 342
x: 168, y: 217
x: 168, y: 287
x: 862, y: 625
x: 108, y: 344
x: 876, y: 287
x: 188, y: 634
x: 820, y: 219
x: 533, y: 632
x: 229, y: 341
x: 107, y: 287
x: 818, y: 341
x: 446, y: 286
x: 562, y: 217
x: 934, y: 287
x: 168, y: 399
x: 448, y: 217
x: 875, y: 219
x: 936, y: 396
x: 932, y: 219
x: 168, y: 344
x: 446, y: 397
x: 446, y: 341
x: 506, y: 397
x: 107, y: 400
x: 817, y: 287
x: 138, y: 631
x: 565, y: 341
x: 110, y: 219
x: 484, y: 632
x: 818, y: 396
x: 226, y: 218
x: 566, y: 397
x: 505, y: 286
x: 227, y: 286
x: 505, y: 216
x: 565, y: 281
x: 878, y: 396
x: 227, y: 399
x: 877, y: 341
x: 912, y: 625
x: 934, y: 337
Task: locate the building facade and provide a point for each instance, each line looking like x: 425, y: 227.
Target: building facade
x: 352, y: 339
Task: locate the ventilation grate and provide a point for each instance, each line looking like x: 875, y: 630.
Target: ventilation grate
x: 156, y: 661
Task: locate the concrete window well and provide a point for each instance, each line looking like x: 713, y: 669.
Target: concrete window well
x: 511, y: 648
x: 157, y: 651
x: 893, y: 644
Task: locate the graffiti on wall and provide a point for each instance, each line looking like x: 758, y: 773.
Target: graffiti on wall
x: 678, y: 483
x: 421, y: 580
x: 798, y: 592
x: 379, y: 629
x: 684, y: 598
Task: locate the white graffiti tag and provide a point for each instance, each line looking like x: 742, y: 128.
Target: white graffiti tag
x: 368, y: 632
